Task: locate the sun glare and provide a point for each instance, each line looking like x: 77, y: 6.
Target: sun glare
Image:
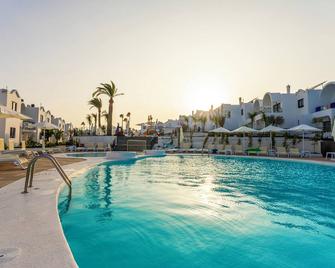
x: 202, y: 92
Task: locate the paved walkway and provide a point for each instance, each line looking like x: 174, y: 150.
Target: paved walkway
x: 10, y: 173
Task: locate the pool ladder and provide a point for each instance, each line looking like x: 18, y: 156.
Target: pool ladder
x: 31, y: 167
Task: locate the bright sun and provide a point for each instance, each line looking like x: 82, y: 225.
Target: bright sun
x: 202, y: 92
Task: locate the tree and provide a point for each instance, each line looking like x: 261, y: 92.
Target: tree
x: 58, y: 134
x: 252, y: 118
x: 89, y: 121
x: 185, y: 123
x: 96, y: 103
x: 105, y: 116
x: 83, y: 125
x: 126, y: 122
x: 94, y: 117
x: 218, y: 120
x: 195, y: 119
x: 203, y: 120
x: 128, y: 115
x: 274, y: 120
x: 122, y: 116
x: 111, y: 91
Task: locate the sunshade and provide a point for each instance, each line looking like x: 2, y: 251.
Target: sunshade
x: 220, y: 130
x: 244, y: 129
x: 303, y: 129
x: 272, y: 129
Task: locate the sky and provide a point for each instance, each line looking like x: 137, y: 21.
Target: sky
x: 167, y: 57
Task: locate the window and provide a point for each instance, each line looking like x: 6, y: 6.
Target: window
x: 41, y: 118
x: 277, y: 108
x: 12, y: 132
x: 242, y: 112
x: 14, y: 106
x: 301, y: 103
x: 228, y: 114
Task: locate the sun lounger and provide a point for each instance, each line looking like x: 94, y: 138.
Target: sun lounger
x: 13, y: 158
x: 90, y: 146
x: 101, y: 147
x: 263, y: 150
x: 251, y: 151
x: 238, y: 149
x: 281, y: 151
x: 294, y: 152
x: 228, y: 149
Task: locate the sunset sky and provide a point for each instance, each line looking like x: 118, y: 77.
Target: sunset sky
x: 168, y: 57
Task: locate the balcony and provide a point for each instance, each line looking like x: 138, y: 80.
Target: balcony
x: 325, y: 107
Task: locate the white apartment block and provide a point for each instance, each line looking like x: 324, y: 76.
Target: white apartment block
x: 10, y: 128
x: 314, y: 106
x: 37, y: 115
x: 18, y: 130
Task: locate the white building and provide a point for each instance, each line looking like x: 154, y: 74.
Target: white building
x: 38, y: 115
x: 311, y: 106
x: 59, y: 122
x: 324, y: 112
x: 10, y: 128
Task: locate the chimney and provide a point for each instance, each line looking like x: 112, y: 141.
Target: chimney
x: 288, y: 89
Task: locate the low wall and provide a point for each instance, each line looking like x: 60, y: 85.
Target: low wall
x: 198, y: 140
x: 135, y: 143
x: 95, y: 139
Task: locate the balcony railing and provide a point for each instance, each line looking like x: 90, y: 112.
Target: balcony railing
x: 325, y: 107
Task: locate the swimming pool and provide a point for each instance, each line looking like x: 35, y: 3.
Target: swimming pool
x: 196, y: 211
x: 87, y: 154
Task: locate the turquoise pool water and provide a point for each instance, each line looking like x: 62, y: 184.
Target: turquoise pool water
x: 196, y: 211
x: 91, y: 154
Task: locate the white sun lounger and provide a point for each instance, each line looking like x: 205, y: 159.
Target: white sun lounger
x: 13, y: 158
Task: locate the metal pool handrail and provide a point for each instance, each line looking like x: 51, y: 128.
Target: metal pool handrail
x: 31, y: 167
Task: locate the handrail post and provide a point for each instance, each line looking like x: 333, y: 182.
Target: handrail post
x: 31, y: 167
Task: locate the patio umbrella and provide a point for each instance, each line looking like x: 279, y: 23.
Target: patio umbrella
x: 45, y: 125
x: 244, y: 130
x: 220, y: 130
x: 304, y: 129
x: 272, y: 129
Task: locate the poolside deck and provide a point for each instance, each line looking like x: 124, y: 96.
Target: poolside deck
x: 10, y: 173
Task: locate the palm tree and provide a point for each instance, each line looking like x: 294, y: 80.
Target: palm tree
x: 89, y: 121
x: 195, y: 119
x: 96, y: 103
x: 252, y: 118
x: 83, y: 125
x: 109, y: 90
x: 186, y: 124
x: 218, y: 120
x: 104, y: 114
x: 126, y: 121
x: 94, y: 116
x: 128, y: 115
x: 121, y: 116
x: 203, y: 120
